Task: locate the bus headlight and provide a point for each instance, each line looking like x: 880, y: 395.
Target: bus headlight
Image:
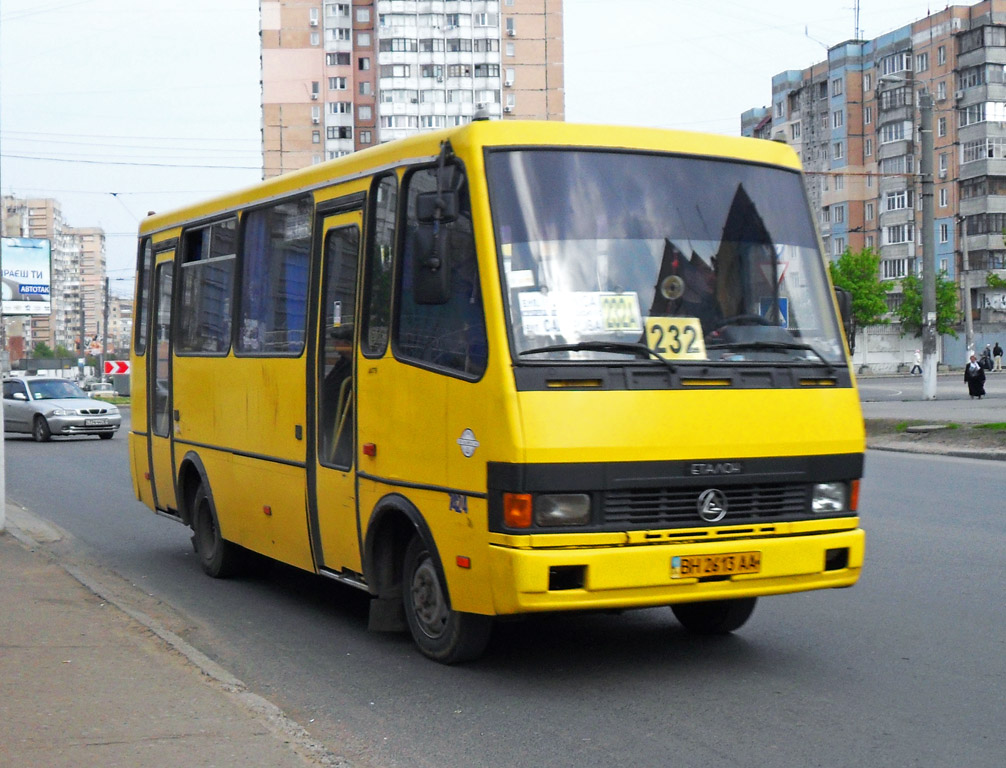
x: 828, y: 498
x: 562, y: 509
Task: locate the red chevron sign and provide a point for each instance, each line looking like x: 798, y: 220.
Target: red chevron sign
x: 116, y: 366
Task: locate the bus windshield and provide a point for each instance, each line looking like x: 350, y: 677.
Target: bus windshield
x: 613, y: 255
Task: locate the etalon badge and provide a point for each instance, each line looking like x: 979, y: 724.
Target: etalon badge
x: 468, y: 443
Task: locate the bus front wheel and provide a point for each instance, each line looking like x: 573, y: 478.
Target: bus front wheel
x: 716, y: 617
x: 218, y: 557
x: 442, y: 634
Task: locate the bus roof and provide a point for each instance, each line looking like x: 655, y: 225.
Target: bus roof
x: 483, y: 133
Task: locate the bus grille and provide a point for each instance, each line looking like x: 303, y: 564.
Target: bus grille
x: 679, y: 506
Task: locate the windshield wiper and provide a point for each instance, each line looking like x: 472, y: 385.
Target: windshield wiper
x: 771, y: 345
x: 623, y: 347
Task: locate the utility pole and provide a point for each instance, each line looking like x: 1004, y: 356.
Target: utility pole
x: 928, y: 248
x: 104, y: 333
x: 969, y: 326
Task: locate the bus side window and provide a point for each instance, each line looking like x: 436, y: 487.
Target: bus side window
x: 144, y: 269
x: 450, y: 335
x: 376, y: 315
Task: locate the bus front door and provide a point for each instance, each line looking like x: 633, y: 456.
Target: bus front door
x: 159, y: 391
x: 333, y: 486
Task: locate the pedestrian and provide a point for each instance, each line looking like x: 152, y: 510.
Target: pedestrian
x: 997, y: 354
x: 974, y: 375
x: 917, y: 368
x: 986, y: 361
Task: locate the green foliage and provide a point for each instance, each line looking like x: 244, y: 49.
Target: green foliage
x: 993, y: 280
x: 858, y: 272
x: 62, y: 351
x: 997, y: 426
x: 43, y: 351
x: 910, y: 311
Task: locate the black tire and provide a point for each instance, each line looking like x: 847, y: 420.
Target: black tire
x: 106, y: 435
x: 218, y: 557
x: 40, y: 432
x: 716, y: 617
x: 440, y: 632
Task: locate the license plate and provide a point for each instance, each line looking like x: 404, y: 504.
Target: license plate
x: 95, y: 422
x: 700, y: 566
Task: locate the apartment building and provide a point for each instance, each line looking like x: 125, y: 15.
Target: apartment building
x: 77, y: 273
x: 854, y: 120
x: 338, y: 76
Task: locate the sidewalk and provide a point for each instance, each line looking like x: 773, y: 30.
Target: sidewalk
x: 86, y: 685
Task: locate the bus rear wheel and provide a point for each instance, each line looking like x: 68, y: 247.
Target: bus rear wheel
x: 218, y: 557
x: 440, y: 632
x: 715, y: 617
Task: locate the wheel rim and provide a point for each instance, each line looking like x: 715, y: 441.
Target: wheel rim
x: 428, y: 603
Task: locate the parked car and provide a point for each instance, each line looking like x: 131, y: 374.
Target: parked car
x: 100, y: 389
x: 44, y: 407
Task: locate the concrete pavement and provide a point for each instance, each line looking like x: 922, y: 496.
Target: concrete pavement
x: 90, y: 684
x: 87, y: 679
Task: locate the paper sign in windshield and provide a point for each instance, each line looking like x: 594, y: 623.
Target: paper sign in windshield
x: 577, y: 313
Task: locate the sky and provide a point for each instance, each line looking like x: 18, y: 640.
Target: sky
x: 120, y: 107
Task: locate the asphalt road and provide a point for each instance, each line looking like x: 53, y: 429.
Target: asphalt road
x: 906, y: 668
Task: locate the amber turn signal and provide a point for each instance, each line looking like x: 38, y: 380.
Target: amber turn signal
x: 517, y: 510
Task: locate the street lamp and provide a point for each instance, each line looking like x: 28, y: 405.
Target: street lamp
x: 925, y: 103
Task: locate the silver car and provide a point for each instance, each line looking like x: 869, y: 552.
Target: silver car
x: 46, y: 407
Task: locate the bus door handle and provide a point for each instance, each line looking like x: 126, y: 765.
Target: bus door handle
x: 176, y: 415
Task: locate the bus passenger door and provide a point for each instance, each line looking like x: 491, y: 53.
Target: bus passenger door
x: 159, y: 390
x: 333, y: 485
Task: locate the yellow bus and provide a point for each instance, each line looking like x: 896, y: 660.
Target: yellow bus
x: 505, y: 369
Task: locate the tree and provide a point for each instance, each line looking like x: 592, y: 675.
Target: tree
x: 63, y: 352
x: 910, y: 311
x: 42, y: 351
x: 858, y: 272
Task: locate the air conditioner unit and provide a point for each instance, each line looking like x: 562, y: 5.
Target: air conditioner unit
x: 511, y: 32
x: 943, y: 173
x: 508, y: 83
x: 508, y: 108
x: 314, y: 22
x: 314, y: 97
x: 315, y: 120
x: 440, y: 78
x: 958, y: 95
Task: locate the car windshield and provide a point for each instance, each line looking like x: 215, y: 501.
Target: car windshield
x: 611, y: 255
x: 54, y: 389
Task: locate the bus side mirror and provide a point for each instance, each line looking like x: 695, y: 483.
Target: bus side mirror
x: 845, y: 310
x: 431, y: 276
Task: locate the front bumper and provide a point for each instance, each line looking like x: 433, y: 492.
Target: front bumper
x: 84, y: 425
x: 639, y: 576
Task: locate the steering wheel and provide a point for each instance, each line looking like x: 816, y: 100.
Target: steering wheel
x: 742, y: 320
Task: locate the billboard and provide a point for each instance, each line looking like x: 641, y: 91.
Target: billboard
x: 26, y: 264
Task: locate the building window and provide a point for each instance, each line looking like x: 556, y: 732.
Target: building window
x: 922, y: 62
x: 894, y: 132
x: 868, y: 211
x: 511, y: 27
x: 944, y: 197
x: 899, y: 62
x: 941, y: 55
x: 365, y: 137
x: 366, y: 88
x: 362, y: 39
x: 869, y: 241
x: 510, y: 48
x: 395, y: 70
x: 944, y: 163
x: 838, y: 213
x: 316, y: 137
x: 944, y: 233
x: 336, y: 83
x: 838, y: 150
x: 315, y: 38
x: 780, y: 110
x: 837, y: 119
x: 836, y: 87
x: 364, y: 63
x: 867, y: 115
x: 364, y: 112
x: 363, y: 15
x: 867, y: 82
x: 868, y: 147
x: 941, y: 90
x: 897, y: 201
x: 899, y: 233
x: 794, y: 130
x: 338, y: 59
x: 894, y: 269
x: 941, y: 126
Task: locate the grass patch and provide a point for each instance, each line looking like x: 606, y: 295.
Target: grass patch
x: 902, y: 426
x: 998, y: 426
